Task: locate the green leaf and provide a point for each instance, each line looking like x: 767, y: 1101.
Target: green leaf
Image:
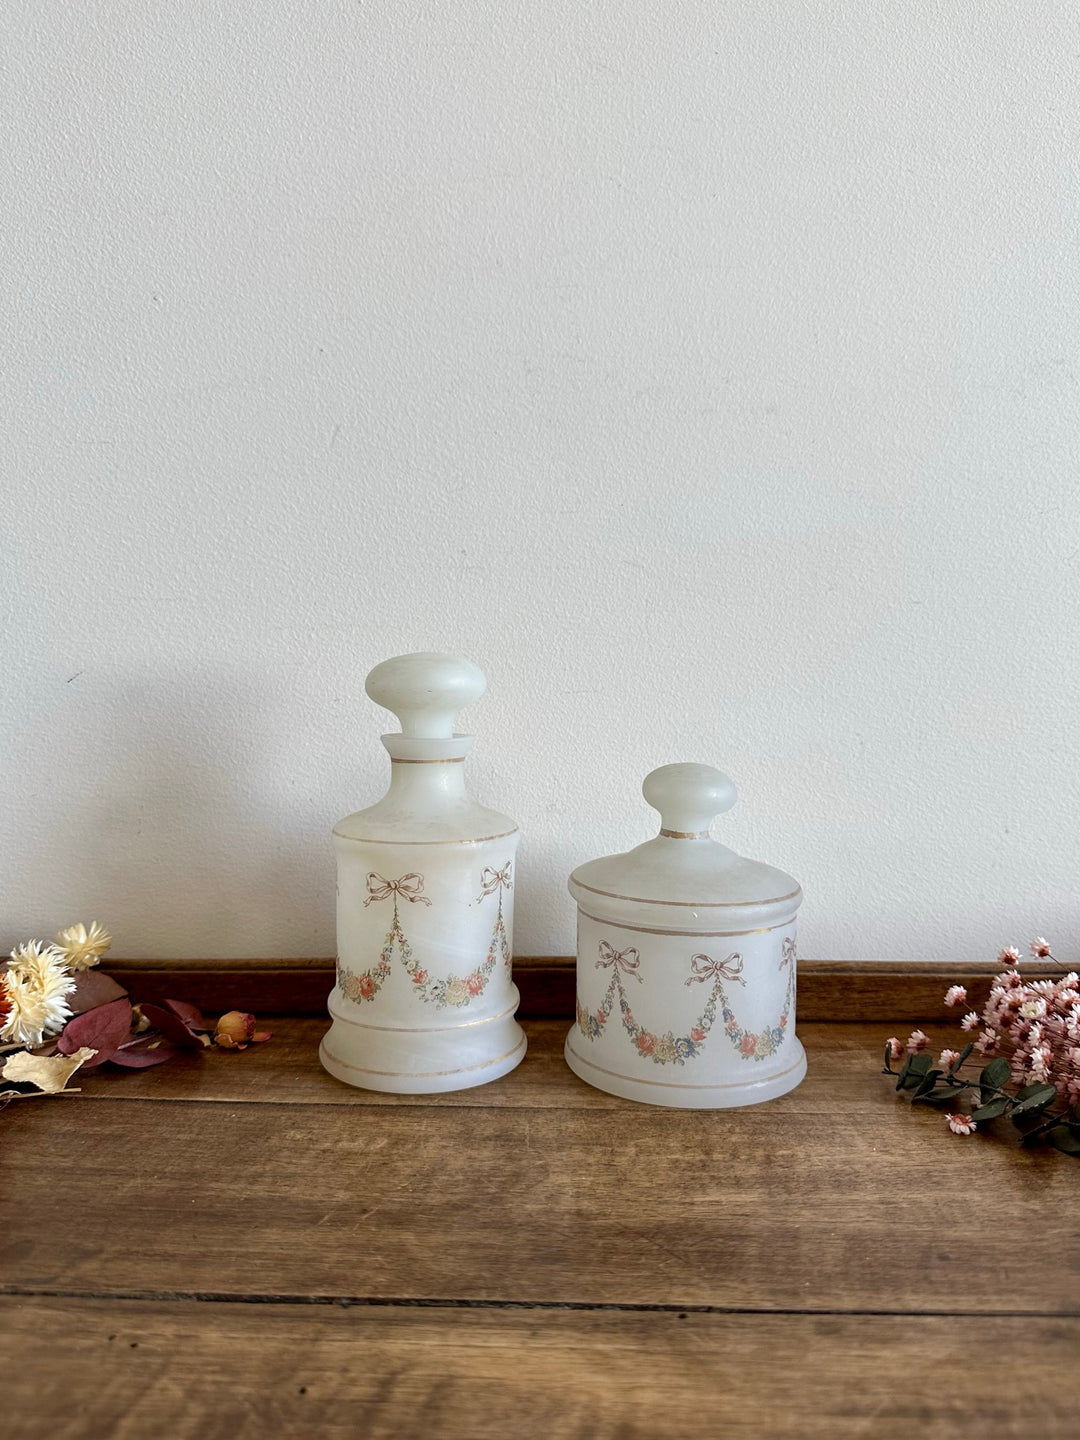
x: 927, y: 1083
x: 991, y: 1110
x: 888, y: 1058
x: 946, y: 1094
x: 964, y: 1053
x: 1037, y: 1133
x: 995, y: 1074
x: 1063, y: 1139
x: 915, y: 1067
x: 1033, y: 1098
x: 920, y: 1064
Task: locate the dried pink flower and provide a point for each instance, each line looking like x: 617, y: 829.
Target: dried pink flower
x: 917, y: 1042
x: 956, y: 995
x: 235, y: 1030
x: 1042, y: 1057
x: 1040, y: 948
x: 1009, y: 956
x: 895, y: 1048
x: 961, y: 1124
x: 948, y: 1058
x: 986, y: 1042
x: 970, y: 1021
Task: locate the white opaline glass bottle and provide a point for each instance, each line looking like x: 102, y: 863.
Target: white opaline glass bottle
x: 424, y: 1000
x: 686, y: 961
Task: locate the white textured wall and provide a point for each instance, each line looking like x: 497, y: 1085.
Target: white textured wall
x: 707, y: 371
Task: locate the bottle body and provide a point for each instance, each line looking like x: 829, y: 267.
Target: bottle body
x: 425, y: 999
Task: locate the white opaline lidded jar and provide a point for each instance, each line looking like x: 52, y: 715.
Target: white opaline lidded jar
x: 424, y: 1000
x: 686, y: 961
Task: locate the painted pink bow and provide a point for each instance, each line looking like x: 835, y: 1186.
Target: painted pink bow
x: 706, y: 968
x: 409, y: 886
x: 625, y: 960
x: 492, y: 880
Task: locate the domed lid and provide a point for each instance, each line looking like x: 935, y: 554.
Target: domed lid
x: 683, y: 865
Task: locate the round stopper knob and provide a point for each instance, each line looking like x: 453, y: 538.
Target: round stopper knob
x: 688, y: 796
x: 426, y: 691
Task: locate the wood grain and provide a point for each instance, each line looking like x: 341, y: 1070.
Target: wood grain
x: 829, y: 990
x: 225, y: 1372
x: 845, y: 1061
x: 812, y: 1206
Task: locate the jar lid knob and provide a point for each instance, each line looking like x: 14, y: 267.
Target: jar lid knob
x: 425, y: 691
x: 688, y: 796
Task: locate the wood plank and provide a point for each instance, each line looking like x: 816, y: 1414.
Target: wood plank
x: 87, y: 1369
x: 829, y: 990
x: 815, y: 1205
x: 844, y: 1061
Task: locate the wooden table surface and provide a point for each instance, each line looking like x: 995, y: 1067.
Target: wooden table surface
x: 236, y: 1244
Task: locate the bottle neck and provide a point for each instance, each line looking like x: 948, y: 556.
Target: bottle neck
x: 431, y: 783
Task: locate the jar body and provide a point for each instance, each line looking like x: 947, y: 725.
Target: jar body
x: 700, y: 1018
x: 424, y: 1000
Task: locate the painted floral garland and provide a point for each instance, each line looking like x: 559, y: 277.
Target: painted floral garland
x: 366, y: 984
x: 763, y: 1043
x: 672, y: 1049
x: 454, y: 990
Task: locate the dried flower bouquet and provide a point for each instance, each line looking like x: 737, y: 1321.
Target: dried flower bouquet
x: 1029, y: 1038
x: 59, y: 1014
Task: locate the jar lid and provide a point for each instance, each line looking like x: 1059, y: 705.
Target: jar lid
x: 683, y: 869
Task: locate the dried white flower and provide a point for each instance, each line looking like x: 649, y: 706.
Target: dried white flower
x: 81, y: 947
x: 33, y: 994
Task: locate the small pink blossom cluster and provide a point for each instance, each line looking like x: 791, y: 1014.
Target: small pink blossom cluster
x: 1030, y: 1030
x: 1035, y: 1025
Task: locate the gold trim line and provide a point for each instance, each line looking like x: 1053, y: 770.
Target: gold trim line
x: 689, y: 904
x: 686, y: 834
x: 370, y: 839
x: 401, y: 760
x: 658, y: 930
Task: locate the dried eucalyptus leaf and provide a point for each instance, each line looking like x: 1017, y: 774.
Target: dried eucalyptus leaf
x: 141, y: 1054
x: 190, y: 1014
x: 995, y: 1074
x: 1034, y: 1097
x: 927, y: 1083
x: 105, y: 1028
x: 1063, y: 1139
x: 48, y: 1072
x: 991, y: 1110
x: 1037, y: 1133
x: 93, y: 988
x: 172, y: 1027
x: 946, y: 1094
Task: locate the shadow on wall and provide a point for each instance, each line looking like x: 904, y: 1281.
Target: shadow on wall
x: 190, y: 839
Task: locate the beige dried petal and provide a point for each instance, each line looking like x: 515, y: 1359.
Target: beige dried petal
x: 48, y: 1072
